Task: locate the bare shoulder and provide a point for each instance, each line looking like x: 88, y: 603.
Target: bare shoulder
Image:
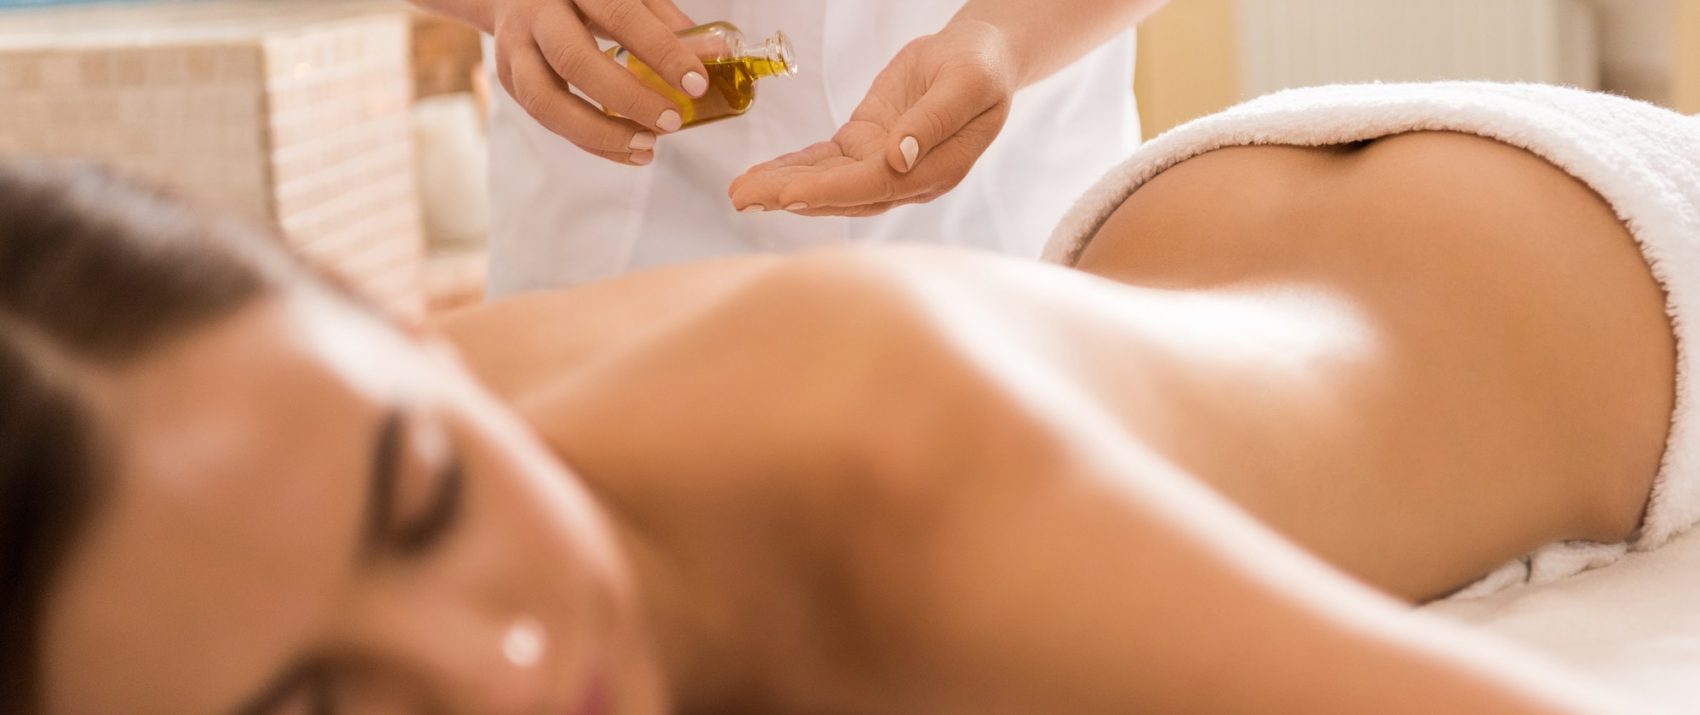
x: 856, y: 353
x: 515, y: 345
x: 832, y: 391
x: 812, y: 429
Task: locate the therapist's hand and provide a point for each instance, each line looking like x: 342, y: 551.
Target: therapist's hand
x: 543, y: 46
x: 928, y: 117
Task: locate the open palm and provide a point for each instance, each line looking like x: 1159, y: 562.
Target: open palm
x: 927, y: 118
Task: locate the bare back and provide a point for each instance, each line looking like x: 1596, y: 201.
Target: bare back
x: 928, y: 480
x: 1414, y: 371
x: 1520, y: 340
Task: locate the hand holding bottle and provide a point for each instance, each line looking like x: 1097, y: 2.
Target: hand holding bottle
x: 733, y: 69
x: 545, y: 46
x: 928, y: 117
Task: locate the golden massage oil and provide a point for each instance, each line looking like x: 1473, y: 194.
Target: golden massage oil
x: 732, y: 71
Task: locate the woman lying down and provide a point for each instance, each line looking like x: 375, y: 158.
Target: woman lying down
x: 1343, y: 351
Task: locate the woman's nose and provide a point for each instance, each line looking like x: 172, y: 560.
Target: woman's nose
x: 459, y: 658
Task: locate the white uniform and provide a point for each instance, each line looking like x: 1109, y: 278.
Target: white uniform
x: 562, y: 217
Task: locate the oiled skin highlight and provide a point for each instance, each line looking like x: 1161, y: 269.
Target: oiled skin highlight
x: 973, y: 484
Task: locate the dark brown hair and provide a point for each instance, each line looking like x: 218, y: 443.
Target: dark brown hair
x: 94, y: 273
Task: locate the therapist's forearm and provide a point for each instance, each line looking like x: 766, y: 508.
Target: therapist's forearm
x: 1047, y: 36
x: 472, y: 12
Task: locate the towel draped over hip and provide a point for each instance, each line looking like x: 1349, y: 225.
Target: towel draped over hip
x: 1642, y: 159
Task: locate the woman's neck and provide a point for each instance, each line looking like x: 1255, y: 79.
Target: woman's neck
x: 733, y: 615
x: 698, y: 662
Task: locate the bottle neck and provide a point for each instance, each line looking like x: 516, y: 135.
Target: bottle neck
x: 773, y: 59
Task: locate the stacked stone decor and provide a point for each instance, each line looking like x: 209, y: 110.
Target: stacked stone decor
x: 294, y: 113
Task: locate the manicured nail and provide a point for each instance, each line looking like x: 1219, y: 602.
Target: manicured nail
x: 694, y: 84
x: 911, y: 148
x: 799, y: 206
x: 643, y: 157
x: 752, y: 209
x: 642, y: 141
x: 669, y: 121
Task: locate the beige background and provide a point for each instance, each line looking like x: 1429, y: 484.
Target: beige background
x: 1685, y: 77
x: 1188, y: 61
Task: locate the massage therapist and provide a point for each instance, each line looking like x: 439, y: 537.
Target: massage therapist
x: 972, y: 123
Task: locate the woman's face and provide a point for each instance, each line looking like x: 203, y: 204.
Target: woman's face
x: 311, y: 513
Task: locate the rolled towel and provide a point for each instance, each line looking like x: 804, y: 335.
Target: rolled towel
x: 1642, y: 159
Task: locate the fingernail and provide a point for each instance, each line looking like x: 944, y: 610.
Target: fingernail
x: 911, y: 148
x: 799, y: 206
x: 643, y: 157
x: 752, y: 208
x: 694, y: 84
x: 642, y: 141
x: 669, y: 121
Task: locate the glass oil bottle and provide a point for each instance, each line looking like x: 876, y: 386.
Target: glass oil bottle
x: 732, y: 71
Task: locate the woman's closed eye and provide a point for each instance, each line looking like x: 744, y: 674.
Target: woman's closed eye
x: 414, y: 493
x: 417, y: 529
x: 417, y: 486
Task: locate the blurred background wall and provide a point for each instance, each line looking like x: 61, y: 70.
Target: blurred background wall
x: 1199, y: 56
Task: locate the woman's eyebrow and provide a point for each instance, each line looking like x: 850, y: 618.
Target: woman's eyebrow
x: 380, y: 491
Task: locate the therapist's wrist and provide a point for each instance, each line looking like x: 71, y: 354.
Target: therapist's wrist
x: 1004, y: 45
x: 994, y: 49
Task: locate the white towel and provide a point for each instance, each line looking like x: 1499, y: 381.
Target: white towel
x: 1632, y: 628
x: 1644, y: 160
